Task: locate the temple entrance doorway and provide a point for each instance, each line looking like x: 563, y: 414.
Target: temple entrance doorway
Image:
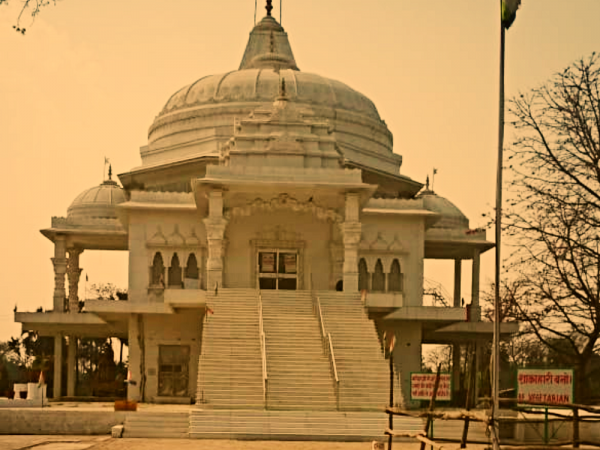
x: 278, y: 269
x: 173, y: 370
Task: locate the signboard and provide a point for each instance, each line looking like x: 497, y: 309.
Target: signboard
x: 422, y: 384
x: 289, y: 261
x: 267, y: 262
x: 545, y: 385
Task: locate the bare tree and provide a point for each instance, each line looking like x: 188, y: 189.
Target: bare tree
x: 553, y: 217
x: 29, y: 7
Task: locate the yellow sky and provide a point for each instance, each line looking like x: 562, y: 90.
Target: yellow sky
x: 88, y: 78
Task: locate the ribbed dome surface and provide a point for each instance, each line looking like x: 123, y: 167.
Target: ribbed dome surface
x: 262, y: 85
x: 452, y: 217
x: 198, y: 118
x: 97, y: 203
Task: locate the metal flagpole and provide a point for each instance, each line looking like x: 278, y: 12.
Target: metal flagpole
x: 496, y: 348
x: 255, y: 12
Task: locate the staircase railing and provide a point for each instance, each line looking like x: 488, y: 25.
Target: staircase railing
x: 327, y: 342
x: 263, y: 349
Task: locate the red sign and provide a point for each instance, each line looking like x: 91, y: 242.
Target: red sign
x: 422, y: 384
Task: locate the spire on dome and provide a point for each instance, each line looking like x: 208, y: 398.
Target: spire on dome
x: 268, y: 46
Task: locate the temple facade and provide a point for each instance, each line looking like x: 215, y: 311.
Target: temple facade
x: 273, y: 240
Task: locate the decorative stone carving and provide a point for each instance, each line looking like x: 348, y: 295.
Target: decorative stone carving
x: 215, y: 232
x: 351, y: 230
x: 60, y: 269
x: 278, y: 233
x: 162, y: 197
x: 176, y: 238
x: 74, y: 272
x: 380, y: 245
x: 158, y: 238
x: 284, y: 202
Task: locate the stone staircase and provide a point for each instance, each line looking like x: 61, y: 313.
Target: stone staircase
x: 299, y: 370
x: 156, y: 425
x: 362, y: 369
x: 230, y: 367
x: 297, y: 425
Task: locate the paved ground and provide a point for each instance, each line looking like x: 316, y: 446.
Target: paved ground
x: 39, y: 442
x: 107, y: 443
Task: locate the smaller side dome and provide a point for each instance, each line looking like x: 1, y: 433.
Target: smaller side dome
x: 97, y: 203
x: 452, y: 217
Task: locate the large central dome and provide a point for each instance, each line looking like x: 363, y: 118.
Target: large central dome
x: 262, y: 85
x: 199, y: 118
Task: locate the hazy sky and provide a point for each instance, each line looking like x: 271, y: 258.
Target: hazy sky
x: 88, y: 78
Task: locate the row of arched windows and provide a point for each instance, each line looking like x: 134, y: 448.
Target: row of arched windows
x: 175, y: 271
x: 376, y: 281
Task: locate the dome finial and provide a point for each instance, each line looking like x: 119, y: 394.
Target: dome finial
x: 282, y: 88
x: 110, y: 172
x: 427, y: 183
x: 106, y: 161
x: 269, y: 7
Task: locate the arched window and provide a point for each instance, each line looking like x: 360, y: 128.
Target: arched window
x: 175, y: 271
x: 158, y: 270
x: 395, y: 281
x: 378, y: 278
x: 191, y: 269
x: 363, y: 275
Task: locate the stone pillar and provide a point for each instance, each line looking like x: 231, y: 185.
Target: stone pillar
x: 57, y: 390
x: 71, y: 366
x: 475, y: 309
x: 133, y: 390
x: 407, y: 357
x: 457, y: 282
x: 478, y: 373
x: 60, y: 268
x: 351, y: 229
x: 215, y: 225
x: 73, y: 272
x: 456, y: 370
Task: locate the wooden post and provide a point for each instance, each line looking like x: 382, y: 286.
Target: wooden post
x: 575, y: 427
x: 432, y: 404
x: 470, y: 372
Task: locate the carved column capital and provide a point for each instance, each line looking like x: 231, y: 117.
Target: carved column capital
x: 60, y: 268
x: 215, y: 227
x: 73, y: 273
x: 352, y: 233
x: 60, y: 265
x: 74, y: 252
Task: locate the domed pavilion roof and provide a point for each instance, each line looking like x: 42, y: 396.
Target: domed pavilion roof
x: 451, y: 216
x: 96, y: 203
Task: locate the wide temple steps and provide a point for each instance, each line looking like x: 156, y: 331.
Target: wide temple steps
x: 230, y: 372
x: 299, y: 371
x: 362, y: 368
